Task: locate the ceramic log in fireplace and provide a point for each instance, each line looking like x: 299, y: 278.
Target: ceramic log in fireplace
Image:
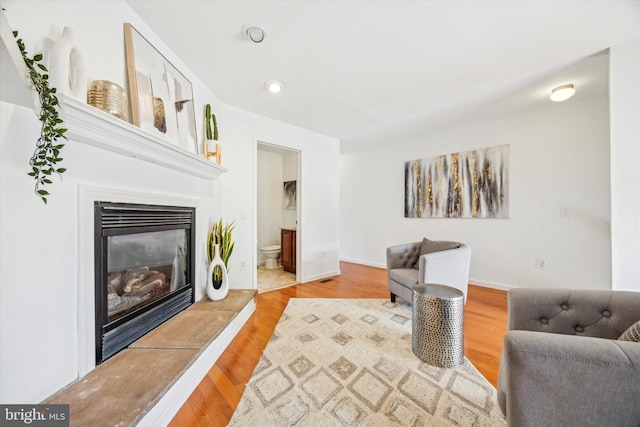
x: 143, y: 270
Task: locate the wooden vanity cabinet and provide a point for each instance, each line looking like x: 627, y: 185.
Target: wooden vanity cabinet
x: 288, y: 249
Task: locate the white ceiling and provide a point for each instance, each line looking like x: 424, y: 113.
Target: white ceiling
x: 367, y: 71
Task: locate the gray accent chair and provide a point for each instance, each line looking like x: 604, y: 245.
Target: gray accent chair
x: 449, y: 267
x: 562, y: 364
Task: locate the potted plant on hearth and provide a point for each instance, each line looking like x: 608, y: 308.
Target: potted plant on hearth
x: 219, y: 249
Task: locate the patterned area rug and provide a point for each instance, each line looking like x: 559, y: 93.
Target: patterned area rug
x: 349, y: 362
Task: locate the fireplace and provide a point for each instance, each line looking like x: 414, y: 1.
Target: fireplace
x: 144, y: 268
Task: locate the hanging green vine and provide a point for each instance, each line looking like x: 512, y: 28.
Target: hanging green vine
x: 46, y: 155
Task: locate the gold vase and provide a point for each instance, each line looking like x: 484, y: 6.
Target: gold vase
x: 108, y: 97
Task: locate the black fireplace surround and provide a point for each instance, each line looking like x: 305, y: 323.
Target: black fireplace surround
x: 144, y: 264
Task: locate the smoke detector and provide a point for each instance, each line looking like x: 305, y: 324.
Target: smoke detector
x: 253, y: 33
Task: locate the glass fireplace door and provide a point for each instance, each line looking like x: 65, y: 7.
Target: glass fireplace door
x: 144, y: 259
x: 142, y: 268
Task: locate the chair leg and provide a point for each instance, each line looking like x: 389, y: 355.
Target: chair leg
x: 393, y: 297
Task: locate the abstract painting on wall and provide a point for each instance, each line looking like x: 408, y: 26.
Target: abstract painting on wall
x: 470, y: 184
x: 289, y: 195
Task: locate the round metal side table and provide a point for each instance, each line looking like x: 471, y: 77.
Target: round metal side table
x: 438, y: 325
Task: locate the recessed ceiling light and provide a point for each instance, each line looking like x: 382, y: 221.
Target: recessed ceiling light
x: 562, y: 93
x: 253, y: 33
x: 274, y: 86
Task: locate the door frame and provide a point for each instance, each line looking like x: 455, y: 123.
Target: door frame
x: 299, y: 190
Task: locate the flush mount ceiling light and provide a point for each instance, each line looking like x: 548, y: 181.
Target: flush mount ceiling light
x: 274, y: 86
x: 562, y: 93
x: 253, y: 33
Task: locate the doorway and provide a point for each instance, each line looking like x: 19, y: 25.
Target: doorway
x: 277, y: 201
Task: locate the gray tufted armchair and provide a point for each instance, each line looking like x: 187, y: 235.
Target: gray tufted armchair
x: 407, y: 268
x: 562, y: 364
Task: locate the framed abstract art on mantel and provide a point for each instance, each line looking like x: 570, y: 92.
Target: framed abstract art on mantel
x: 160, y: 96
x: 469, y: 184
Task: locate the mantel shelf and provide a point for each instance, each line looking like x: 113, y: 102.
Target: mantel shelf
x: 96, y: 128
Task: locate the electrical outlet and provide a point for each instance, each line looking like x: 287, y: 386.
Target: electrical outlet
x: 541, y: 264
x: 243, y: 265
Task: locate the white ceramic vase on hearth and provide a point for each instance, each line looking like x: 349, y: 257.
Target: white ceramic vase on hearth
x: 222, y: 291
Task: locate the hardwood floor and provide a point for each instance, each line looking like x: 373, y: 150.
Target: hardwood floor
x: 212, y: 403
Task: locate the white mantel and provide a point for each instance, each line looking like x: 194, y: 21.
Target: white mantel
x: 97, y: 128
x: 88, y: 125
x: 82, y: 186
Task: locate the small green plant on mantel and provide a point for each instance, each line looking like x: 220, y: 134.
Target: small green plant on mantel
x: 209, y: 118
x: 46, y: 155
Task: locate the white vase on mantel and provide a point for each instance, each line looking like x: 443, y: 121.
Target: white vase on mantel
x: 67, y: 67
x: 216, y: 294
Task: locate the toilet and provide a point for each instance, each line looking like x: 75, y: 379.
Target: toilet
x: 272, y: 253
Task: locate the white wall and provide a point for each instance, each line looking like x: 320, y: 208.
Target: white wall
x: 318, y: 190
x: 625, y: 175
x: 559, y: 162
x: 39, y: 248
x: 240, y: 133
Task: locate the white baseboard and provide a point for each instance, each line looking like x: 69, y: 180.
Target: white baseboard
x: 171, y: 402
x: 321, y: 276
x: 492, y: 285
x: 483, y: 283
x: 359, y: 261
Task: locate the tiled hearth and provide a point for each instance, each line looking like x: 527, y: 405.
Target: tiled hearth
x: 125, y: 388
